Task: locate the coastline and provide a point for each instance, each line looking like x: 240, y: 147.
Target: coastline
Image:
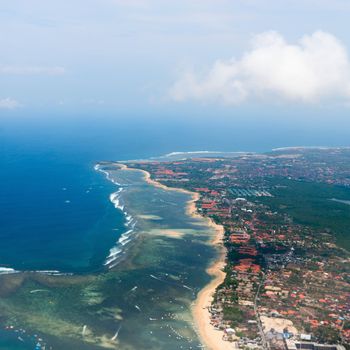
x: 211, y: 338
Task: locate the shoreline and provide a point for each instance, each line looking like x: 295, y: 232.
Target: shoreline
x: 209, y: 336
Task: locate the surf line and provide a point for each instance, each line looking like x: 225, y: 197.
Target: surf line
x: 115, y: 197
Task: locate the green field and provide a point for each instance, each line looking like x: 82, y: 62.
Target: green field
x: 310, y: 204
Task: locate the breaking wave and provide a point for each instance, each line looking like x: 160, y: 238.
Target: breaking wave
x: 116, y: 252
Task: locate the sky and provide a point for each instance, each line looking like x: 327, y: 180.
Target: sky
x: 226, y: 56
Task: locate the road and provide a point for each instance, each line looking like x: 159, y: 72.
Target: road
x: 265, y: 344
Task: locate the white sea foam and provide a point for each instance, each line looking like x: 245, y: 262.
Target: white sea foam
x: 115, y: 197
x: 48, y: 271
x: 125, y: 236
x: 113, y: 254
x: 193, y: 152
x: 123, y: 239
x: 7, y: 270
x: 126, y: 242
x: 129, y: 221
x: 113, y: 265
x: 97, y: 167
x: 116, y: 251
x: 54, y: 273
x: 172, y: 154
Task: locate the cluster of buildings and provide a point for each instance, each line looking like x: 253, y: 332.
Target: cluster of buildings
x: 287, y: 285
x: 331, y: 166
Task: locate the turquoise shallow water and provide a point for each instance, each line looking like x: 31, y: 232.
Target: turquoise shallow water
x: 146, y: 298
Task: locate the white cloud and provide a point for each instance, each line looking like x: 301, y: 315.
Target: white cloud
x: 315, y: 68
x: 31, y: 70
x: 8, y: 103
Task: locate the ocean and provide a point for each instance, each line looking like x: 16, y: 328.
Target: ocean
x: 60, y: 217
x: 55, y: 215
x: 147, y: 280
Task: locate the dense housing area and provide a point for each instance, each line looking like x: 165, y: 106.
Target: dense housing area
x: 286, y: 216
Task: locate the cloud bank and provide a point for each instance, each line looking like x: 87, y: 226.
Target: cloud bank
x: 8, y: 103
x: 317, y: 67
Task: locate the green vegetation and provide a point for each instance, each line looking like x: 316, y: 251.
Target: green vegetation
x: 230, y: 281
x: 326, y: 334
x: 310, y: 204
x: 233, y: 314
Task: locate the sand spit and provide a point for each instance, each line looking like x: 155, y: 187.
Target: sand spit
x: 167, y: 233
